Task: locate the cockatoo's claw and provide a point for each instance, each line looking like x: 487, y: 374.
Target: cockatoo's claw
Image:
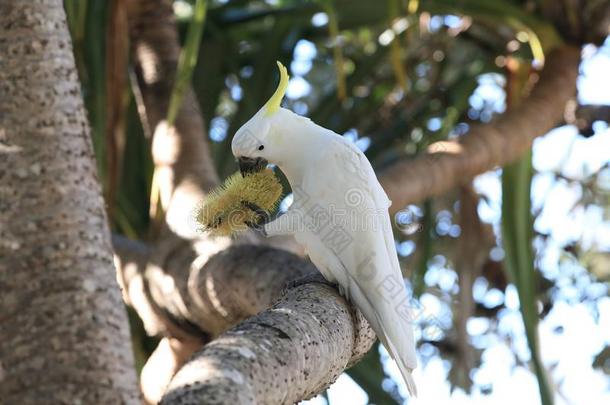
x: 256, y: 227
x: 263, y: 216
x: 311, y: 277
x: 216, y: 223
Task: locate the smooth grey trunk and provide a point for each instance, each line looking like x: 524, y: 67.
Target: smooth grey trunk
x: 64, y: 333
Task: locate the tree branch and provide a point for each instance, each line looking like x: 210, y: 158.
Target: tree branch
x: 585, y: 115
x: 448, y: 164
x: 220, y: 288
x: 197, y: 293
x: 281, y: 356
x: 233, y: 285
x: 157, y: 285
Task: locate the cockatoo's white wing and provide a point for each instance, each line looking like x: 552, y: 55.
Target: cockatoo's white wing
x: 381, y: 200
x: 367, y: 269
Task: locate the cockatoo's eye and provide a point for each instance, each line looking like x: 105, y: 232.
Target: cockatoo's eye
x: 261, y: 147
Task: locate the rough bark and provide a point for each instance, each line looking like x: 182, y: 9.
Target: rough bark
x: 448, y: 164
x: 235, y: 284
x: 286, y: 354
x: 220, y: 288
x: 64, y: 334
x: 163, y: 363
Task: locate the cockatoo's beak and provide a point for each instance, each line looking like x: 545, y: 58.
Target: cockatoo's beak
x: 251, y: 165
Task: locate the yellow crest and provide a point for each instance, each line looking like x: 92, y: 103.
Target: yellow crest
x: 274, y: 102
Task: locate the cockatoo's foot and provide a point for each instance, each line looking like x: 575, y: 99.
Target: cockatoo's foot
x: 363, y: 331
x: 262, y: 217
x: 312, y: 277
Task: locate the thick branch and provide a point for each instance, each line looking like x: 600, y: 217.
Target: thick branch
x: 155, y: 284
x: 238, y: 283
x: 281, y: 356
x: 449, y: 164
x: 196, y: 295
x: 204, y: 292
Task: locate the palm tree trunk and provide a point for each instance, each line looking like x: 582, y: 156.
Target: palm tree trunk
x: 64, y: 334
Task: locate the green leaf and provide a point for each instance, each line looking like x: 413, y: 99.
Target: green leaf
x: 517, y: 235
x: 425, y: 244
x: 187, y: 60
x: 333, y: 31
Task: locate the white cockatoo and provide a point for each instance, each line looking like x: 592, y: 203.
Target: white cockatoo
x: 339, y: 215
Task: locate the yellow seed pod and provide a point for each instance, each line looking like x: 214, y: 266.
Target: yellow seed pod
x: 229, y: 208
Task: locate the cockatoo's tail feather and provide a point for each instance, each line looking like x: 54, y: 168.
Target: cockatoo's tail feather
x: 274, y: 102
x: 227, y: 210
x: 405, y: 370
